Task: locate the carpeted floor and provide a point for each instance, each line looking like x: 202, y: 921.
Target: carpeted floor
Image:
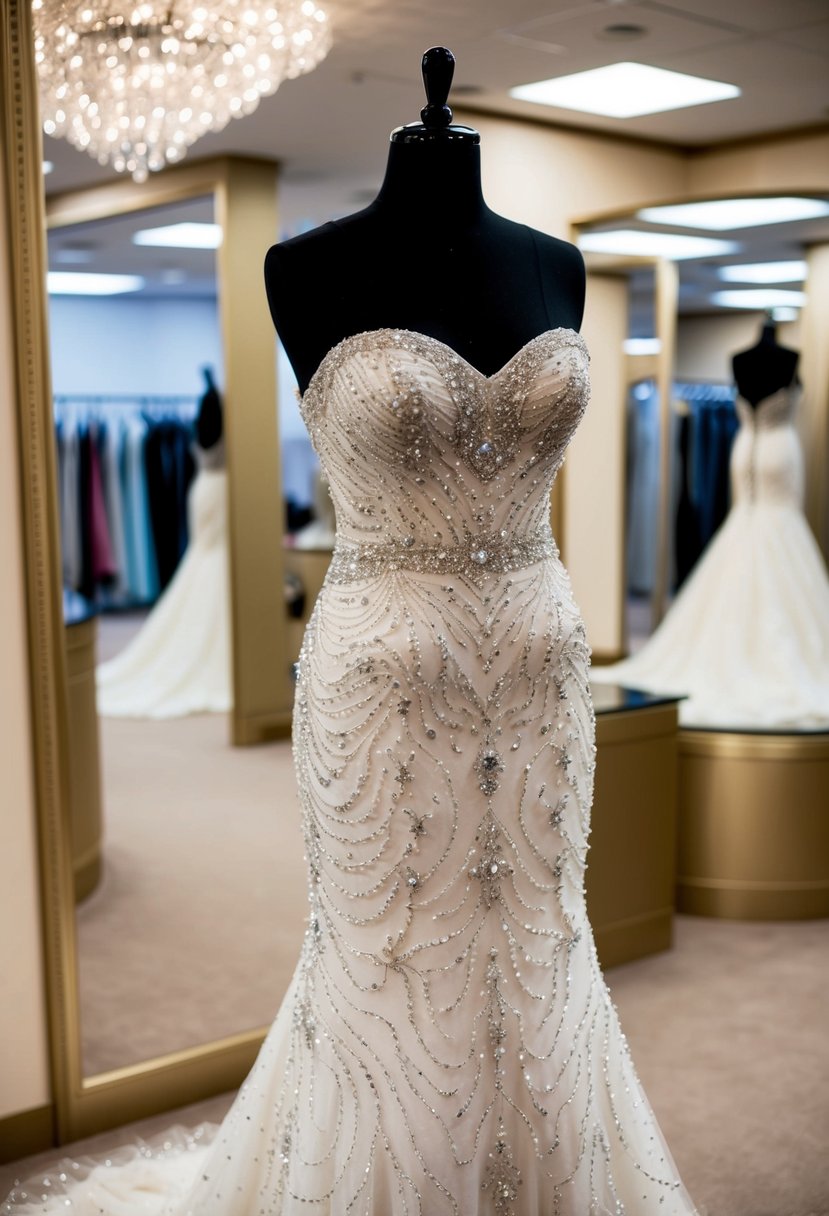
x: 202, y: 905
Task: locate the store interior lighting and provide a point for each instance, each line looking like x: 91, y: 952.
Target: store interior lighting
x: 625, y: 90
x: 642, y: 346
x: 728, y: 214
x: 764, y: 272
x: 181, y: 236
x: 632, y: 242
x: 759, y: 298
x: 77, y: 283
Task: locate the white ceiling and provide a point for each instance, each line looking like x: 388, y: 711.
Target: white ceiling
x: 329, y: 129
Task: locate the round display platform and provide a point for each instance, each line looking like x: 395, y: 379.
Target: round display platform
x: 753, y: 825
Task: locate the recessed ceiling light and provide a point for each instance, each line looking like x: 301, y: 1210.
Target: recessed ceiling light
x: 77, y: 283
x: 725, y: 214
x: 764, y: 272
x: 759, y: 298
x: 622, y: 31
x: 632, y: 242
x: 642, y: 346
x: 625, y: 90
x: 181, y: 236
x: 47, y: 167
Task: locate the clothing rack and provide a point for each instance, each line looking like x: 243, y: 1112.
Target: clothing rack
x: 142, y: 399
x: 694, y: 391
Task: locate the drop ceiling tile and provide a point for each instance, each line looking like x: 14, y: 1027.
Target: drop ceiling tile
x: 581, y: 34
x: 761, y: 16
x: 813, y: 38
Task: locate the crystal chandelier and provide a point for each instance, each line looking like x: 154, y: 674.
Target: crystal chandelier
x: 134, y: 84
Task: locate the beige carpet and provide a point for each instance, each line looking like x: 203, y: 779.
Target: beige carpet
x: 201, y: 909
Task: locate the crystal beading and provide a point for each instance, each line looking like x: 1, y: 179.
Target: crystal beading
x: 482, y: 555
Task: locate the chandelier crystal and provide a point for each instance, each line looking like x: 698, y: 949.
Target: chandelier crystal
x: 135, y: 85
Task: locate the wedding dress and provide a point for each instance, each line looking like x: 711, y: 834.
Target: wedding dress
x: 447, y: 1044
x: 747, y: 638
x: 179, y: 661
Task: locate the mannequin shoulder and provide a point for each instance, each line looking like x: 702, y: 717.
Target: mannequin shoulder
x: 559, y: 257
x: 563, y: 270
x: 299, y: 255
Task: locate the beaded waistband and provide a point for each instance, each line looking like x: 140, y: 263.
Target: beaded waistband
x: 480, y: 556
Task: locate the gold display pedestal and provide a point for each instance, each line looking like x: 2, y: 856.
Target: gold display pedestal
x: 631, y: 872
x: 753, y: 825
x: 80, y: 626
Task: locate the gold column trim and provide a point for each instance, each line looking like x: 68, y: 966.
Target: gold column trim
x: 22, y: 182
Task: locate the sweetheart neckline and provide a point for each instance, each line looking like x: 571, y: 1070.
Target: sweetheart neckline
x: 444, y: 346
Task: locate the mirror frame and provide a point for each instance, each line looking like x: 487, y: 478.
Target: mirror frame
x: 245, y: 194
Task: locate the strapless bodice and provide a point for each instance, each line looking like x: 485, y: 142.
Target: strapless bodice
x: 766, y: 459
x: 433, y: 465
x: 778, y: 409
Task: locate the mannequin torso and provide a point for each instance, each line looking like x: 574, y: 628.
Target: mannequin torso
x: 765, y: 368
x: 427, y: 255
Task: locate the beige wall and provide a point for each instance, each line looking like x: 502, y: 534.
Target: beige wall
x: 24, y: 1081
x: 705, y: 345
x: 547, y: 178
x: 794, y: 163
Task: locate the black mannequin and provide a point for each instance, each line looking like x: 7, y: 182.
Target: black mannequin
x: 209, y: 417
x: 426, y: 255
x: 765, y: 368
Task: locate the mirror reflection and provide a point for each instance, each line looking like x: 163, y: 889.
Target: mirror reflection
x: 746, y: 576
x: 162, y: 864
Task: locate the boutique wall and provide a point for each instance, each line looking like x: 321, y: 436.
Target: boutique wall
x: 133, y: 345
x: 24, y: 1073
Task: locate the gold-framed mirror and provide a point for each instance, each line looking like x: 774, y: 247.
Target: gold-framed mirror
x: 241, y: 193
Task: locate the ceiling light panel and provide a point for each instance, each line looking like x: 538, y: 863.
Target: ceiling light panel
x: 76, y: 283
x: 631, y: 242
x: 759, y: 298
x: 642, y: 346
x: 730, y: 214
x: 625, y: 90
x: 181, y: 236
x: 764, y: 272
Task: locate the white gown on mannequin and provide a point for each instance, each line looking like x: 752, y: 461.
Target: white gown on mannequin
x: 448, y: 1044
x: 747, y: 637
x: 179, y: 661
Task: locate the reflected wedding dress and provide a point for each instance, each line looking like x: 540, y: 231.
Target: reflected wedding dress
x: 447, y: 1045
x: 179, y: 661
x: 747, y: 637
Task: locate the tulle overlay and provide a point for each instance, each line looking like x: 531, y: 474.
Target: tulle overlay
x: 747, y: 638
x: 448, y: 1046
x: 179, y: 662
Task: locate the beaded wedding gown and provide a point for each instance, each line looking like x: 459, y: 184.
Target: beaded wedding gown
x: 447, y: 1044
x: 179, y: 661
x: 746, y: 640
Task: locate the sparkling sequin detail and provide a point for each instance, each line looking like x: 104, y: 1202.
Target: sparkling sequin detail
x: 481, y: 555
x: 447, y: 1046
